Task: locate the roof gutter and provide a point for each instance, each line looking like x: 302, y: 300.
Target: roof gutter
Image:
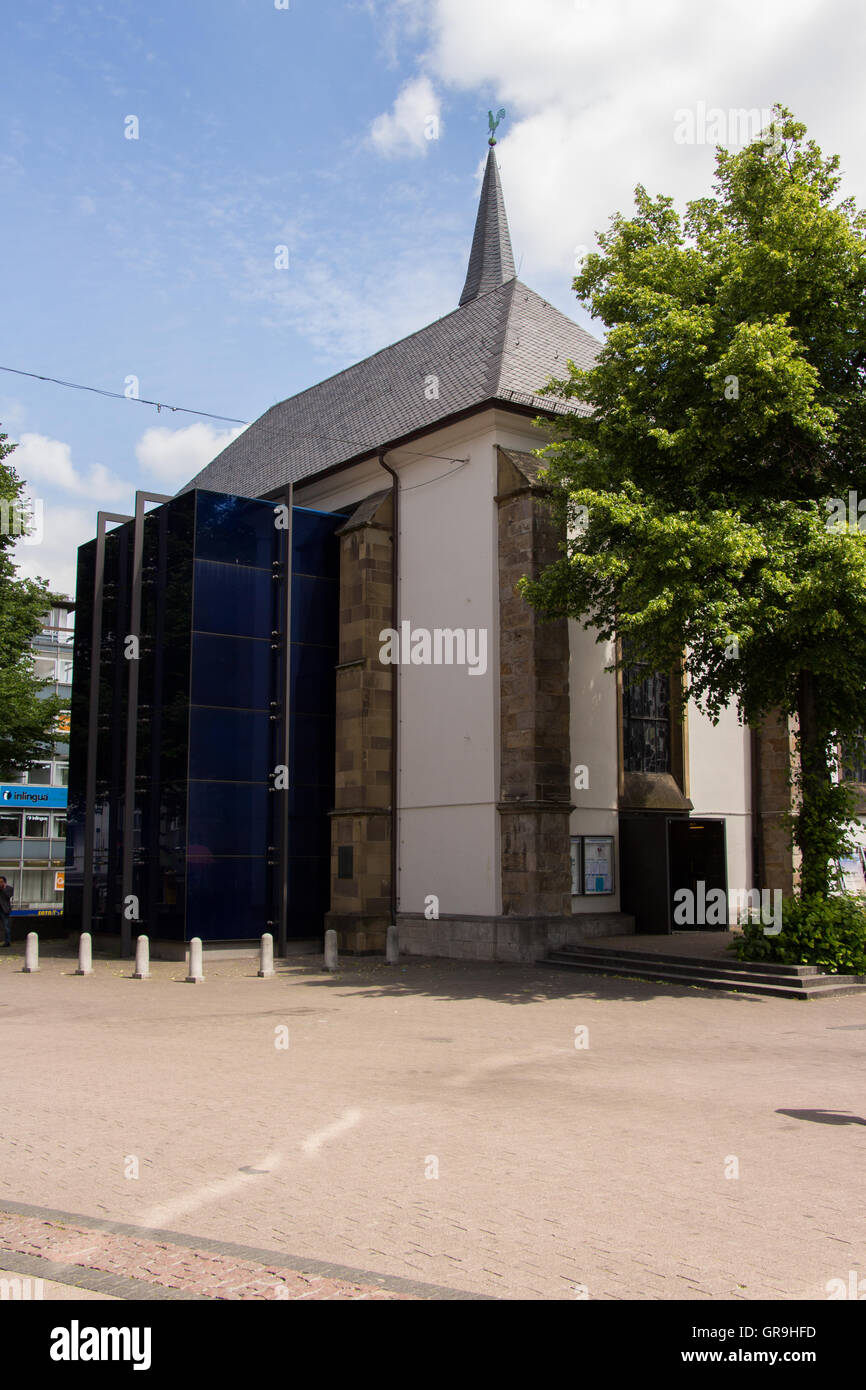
x: 395, y: 684
x: 456, y: 418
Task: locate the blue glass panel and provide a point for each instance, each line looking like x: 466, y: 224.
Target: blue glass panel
x: 233, y: 745
x: 309, y: 835
x: 227, y: 818
x: 312, y: 750
x: 313, y: 685
x: 315, y: 609
x: 236, y: 530
x: 230, y: 671
x: 307, y: 800
x: 227, y: 900
x: 315, y: 549
x: 306, y: 885
x: 233, y: 599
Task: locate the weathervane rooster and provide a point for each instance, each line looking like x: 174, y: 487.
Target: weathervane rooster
x: 493, y: 122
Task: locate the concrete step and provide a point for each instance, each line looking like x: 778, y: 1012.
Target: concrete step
x: 817, y: 986
x: 725, y: 962
x: 700, y: 967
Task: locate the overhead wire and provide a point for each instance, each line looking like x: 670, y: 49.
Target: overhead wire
x: 227, y: 419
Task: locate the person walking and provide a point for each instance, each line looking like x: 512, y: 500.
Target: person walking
x: 6, y: 909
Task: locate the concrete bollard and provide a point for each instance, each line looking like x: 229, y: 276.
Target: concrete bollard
x: 266, y: 964
x: 196, y: 973
x: 392, y: 946
x: 31, y: 954
x: 142, y: 959
x: 85, y: 954
x: 332, y: 957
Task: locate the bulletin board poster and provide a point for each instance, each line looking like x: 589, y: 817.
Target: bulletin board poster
x: 598, y: 864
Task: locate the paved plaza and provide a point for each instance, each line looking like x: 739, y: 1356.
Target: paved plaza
x: 434, y: 1129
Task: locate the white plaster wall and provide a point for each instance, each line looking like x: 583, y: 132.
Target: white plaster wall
x: 449, y: 719
x: 720, y: 784
x: 594, y: 746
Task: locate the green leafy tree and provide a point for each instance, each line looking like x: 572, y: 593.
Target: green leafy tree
x: 696, y: 477
x: 27, y: 717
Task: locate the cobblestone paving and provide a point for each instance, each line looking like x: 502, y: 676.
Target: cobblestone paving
x: 171, y: 1265
x: 48, y: 1290
x: 435, y: 1121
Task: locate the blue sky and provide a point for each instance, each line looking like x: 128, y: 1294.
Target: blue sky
x: 307, y: 127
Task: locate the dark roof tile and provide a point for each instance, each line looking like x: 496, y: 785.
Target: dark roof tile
x: 502, y: 346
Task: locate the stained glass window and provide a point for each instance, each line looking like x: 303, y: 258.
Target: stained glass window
x: 646, y: 719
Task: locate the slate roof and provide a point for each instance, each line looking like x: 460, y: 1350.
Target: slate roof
x: 491, y: 260
x: 500, y: 346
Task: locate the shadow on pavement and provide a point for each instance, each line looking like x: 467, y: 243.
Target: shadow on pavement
x: 825, y: 1117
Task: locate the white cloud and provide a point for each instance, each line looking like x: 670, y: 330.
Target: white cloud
x: 591, y: 88
x: 42, y: 463
x: 168, y: 458
x: 173, y: 457
x: 345, y: 311
x: 55, y: 558
x: 50, y: 478
x: 413, y: 122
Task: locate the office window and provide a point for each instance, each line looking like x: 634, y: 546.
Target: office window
x: 44, y: 668
x: 39, y: 774
x: 59, y: 831
x: 10, y: 826
x: 61, y: 774
x: 37, y: 886
x: 35, y: 827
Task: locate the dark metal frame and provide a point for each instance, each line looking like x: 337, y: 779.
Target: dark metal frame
x: 283, y: 856
x: 141, y: 498
x: 93, y: 715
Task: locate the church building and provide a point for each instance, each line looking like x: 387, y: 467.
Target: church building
x: 337, y: 711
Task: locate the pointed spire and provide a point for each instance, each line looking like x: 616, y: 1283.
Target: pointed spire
x: 491, y: 260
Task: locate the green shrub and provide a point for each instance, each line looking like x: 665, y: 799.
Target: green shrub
x: 827, y: 932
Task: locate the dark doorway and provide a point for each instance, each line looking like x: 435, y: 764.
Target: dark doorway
x: 644, y: 871
x: 697, y: 860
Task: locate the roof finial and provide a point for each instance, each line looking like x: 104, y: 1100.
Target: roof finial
x: 493, y: 122
x: 491, y: 262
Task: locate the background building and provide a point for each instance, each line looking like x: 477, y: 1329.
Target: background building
x: 33, y: 803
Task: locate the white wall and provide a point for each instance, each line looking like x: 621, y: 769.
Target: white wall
x: 594, y: 746
x: 720, y: 784
x: 449, y: 719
